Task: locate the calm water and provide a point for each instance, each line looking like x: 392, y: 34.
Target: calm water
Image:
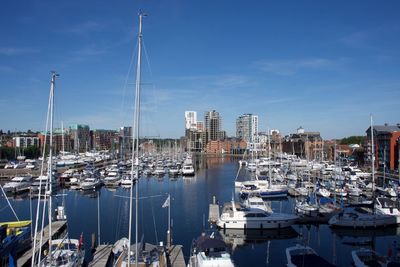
x: 189, y: 211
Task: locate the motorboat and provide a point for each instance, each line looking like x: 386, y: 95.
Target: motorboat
x: 40, y: 184
x: 187, y: 170
x: 323, y: 192
x: 210, y: 250
x: 384, y: 205
x: 90, y: 183
x: 112, y: 179
x: 246, y: 218
x: 360, y: 217
x: 299, y: 256
x: 173, y: 171
x: 18, y: 184
x: 256, y: 203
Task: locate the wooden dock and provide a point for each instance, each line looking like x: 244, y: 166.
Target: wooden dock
x: 101, y: 257
x: 175, y: 256
x: 58, y: 229
x: 213, y: 213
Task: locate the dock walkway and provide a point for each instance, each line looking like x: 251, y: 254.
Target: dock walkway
x: 58, y: 228
x: 176, y: 258
x: 101, y: 257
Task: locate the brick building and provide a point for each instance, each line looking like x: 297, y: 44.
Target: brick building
x: 386, y: 143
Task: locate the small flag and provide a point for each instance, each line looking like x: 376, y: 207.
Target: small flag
x: 166, y: 203
x: 80, y: 242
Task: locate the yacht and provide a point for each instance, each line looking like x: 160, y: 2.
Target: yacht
x: 18, y: 184
x: 323, y: 192
x: 159, y: 171
x: 299, y: 256
x: 90, y: 183
x: 360, y: 217
x: 40, y: 184
x: 384, y: 205
x: 188, y: 170
x: 112, y: 179
x: 257, y: 203
x: 210, y: 250
x: 246, y: 218
x: 173, y: 170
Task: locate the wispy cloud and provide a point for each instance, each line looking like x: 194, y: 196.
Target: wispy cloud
x: 86, y: 27
x: 14, y: 51
x: 289, y: 67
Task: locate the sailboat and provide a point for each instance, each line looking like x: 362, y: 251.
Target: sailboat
x: 65, y: 251
x: 140, y: 254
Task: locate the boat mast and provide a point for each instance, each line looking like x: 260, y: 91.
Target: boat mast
x: 269, y: 159
x: 50, y: 162
x: 372, y: 158
x: 135, y: 148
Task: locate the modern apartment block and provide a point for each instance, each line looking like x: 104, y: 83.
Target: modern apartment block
x: 213, y: 123
x: 247, y: 128
x: 199, y: 133
x: 25, y: 141
x: 190, y: 120
x: 80, y: 135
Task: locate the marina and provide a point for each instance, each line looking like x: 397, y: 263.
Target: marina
x: 104, y: 213
x: 200, y: 159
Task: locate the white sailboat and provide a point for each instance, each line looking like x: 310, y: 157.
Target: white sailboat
x: 63, y: 252
x: 139, y: 254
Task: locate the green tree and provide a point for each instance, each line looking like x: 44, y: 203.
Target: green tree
x: 352, y: 140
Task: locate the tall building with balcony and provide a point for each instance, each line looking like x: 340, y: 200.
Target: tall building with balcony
x: 190, y: 120
x: 247, y: 128
x: 80, y: 136
x: 213, y: 123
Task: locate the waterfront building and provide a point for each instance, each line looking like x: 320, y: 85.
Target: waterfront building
x: 25, y: 141
x: 227, y: 146
x: 274, y: 138
x: 80, y: 136
x: 386, y: 142
x: 247, y: 128
x: 304, y: 144
x: 104, y: 139
x: 61, y: 140
x: 125, y: 140
x: 190, y: 120
x: 213, y: 123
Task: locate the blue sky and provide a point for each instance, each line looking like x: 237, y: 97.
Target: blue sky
x: 324, y: 65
